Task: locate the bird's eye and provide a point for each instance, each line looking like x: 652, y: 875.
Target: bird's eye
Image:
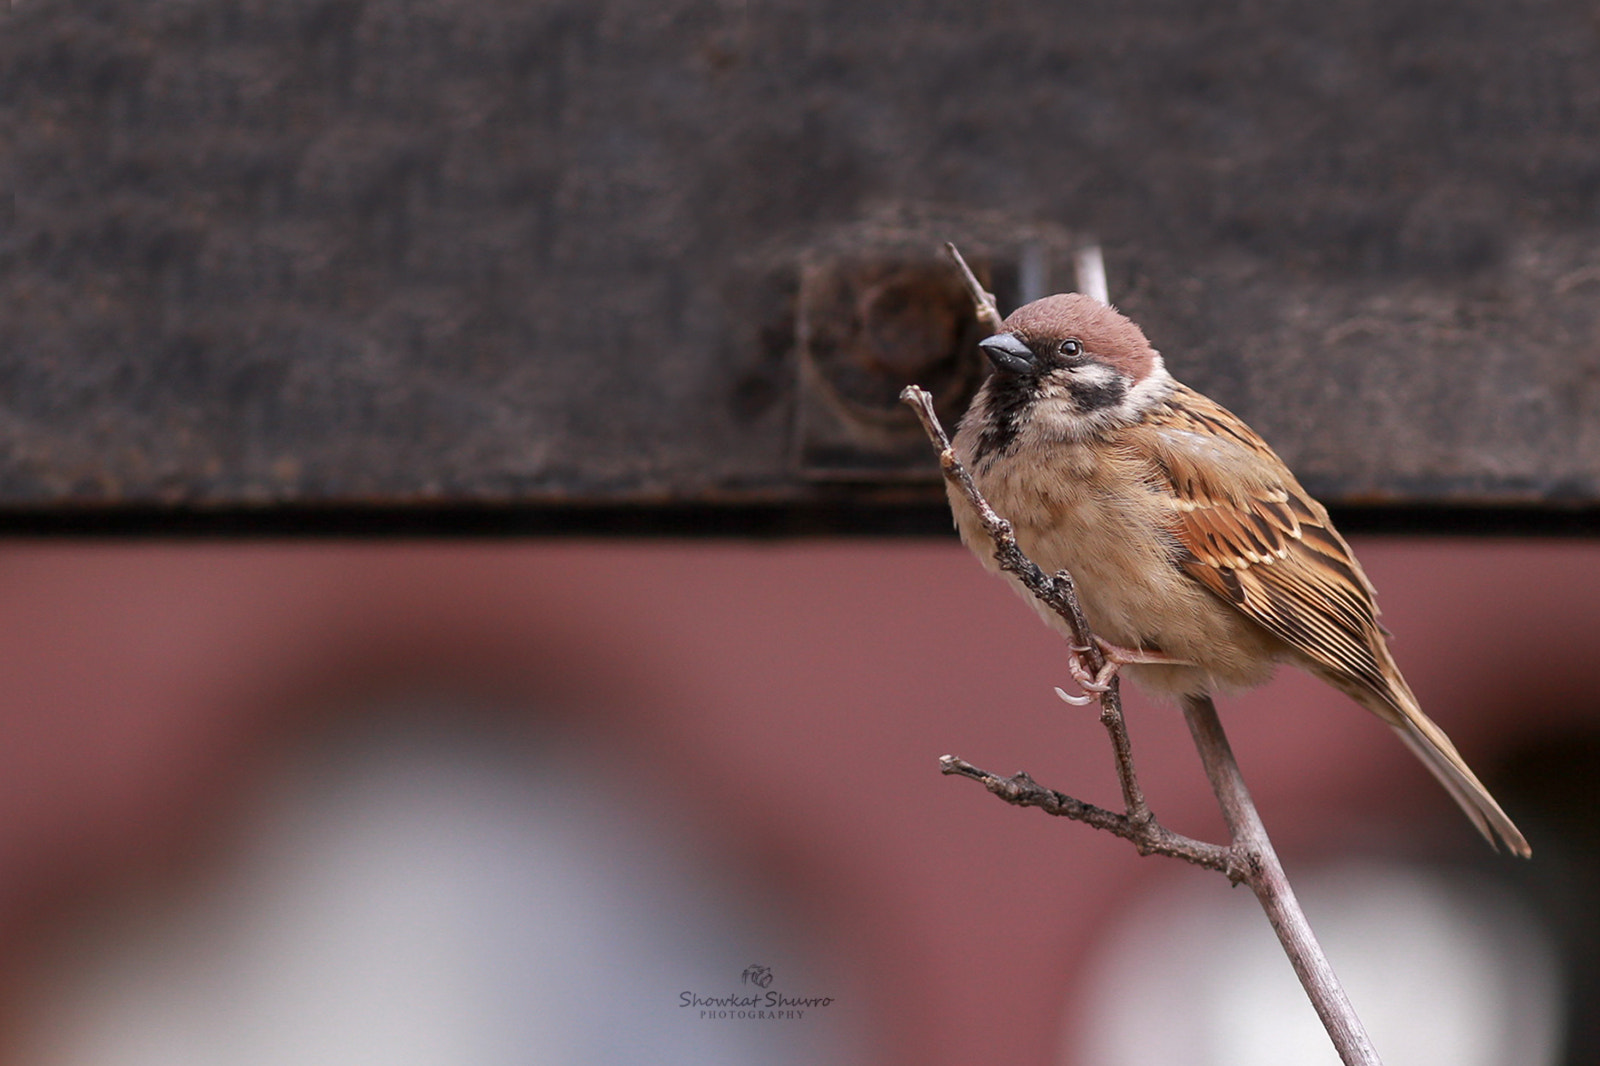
x: 1071, y: 349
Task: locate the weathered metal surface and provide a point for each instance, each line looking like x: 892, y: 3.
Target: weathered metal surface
x: 479, y: 251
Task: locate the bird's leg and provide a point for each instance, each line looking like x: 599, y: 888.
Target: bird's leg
x: 1116, y: 657
x: 1122, y: 656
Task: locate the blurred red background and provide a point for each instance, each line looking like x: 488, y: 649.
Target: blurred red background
x: 781, y: 705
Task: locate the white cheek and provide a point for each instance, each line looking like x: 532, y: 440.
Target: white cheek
x: 1093, y: 375
x: 1155, y: 387
x: 1056, y: 416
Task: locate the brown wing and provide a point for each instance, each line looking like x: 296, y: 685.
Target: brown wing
x: 1254, y: 537
x: 1248, y: 532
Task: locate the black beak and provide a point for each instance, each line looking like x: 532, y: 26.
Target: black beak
x: 1009, y: 355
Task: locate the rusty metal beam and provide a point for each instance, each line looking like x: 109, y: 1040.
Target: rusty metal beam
x: 478, y: 254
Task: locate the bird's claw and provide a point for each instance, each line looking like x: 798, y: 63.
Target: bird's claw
x: 1099, y: 682
x: 1094, y: 685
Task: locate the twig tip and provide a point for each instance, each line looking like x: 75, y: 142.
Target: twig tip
x: 983, y: 300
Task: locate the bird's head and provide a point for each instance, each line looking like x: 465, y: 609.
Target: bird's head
x: 1069, y: 367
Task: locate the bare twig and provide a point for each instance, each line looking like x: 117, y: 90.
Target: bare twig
x: 1249, y: 858
x: 1148, y: 837
x: 1267, y: 880
x: 988, y: 313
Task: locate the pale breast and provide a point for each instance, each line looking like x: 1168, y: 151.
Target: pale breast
x: 1098, y: 515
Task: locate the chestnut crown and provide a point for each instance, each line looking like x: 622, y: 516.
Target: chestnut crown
x: 1102, y: 335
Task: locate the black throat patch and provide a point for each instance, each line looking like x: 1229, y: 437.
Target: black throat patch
x: 1009, y: 397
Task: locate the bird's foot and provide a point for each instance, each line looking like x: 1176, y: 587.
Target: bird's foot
x: 1096, y: 683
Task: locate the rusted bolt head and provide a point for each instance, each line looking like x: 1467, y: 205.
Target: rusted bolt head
x: 872, y: 327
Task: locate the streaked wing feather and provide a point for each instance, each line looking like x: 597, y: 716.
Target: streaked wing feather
x: 1248, y: 531
x: 1262, y: 543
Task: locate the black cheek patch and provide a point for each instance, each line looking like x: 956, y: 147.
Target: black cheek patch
x: 1089, y: 397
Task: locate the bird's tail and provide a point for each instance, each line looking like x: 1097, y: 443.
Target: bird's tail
x: 1430, y: 744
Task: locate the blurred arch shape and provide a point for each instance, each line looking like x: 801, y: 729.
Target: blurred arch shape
x: 430, y: 895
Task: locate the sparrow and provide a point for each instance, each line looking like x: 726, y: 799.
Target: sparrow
x: 1200, y: 562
